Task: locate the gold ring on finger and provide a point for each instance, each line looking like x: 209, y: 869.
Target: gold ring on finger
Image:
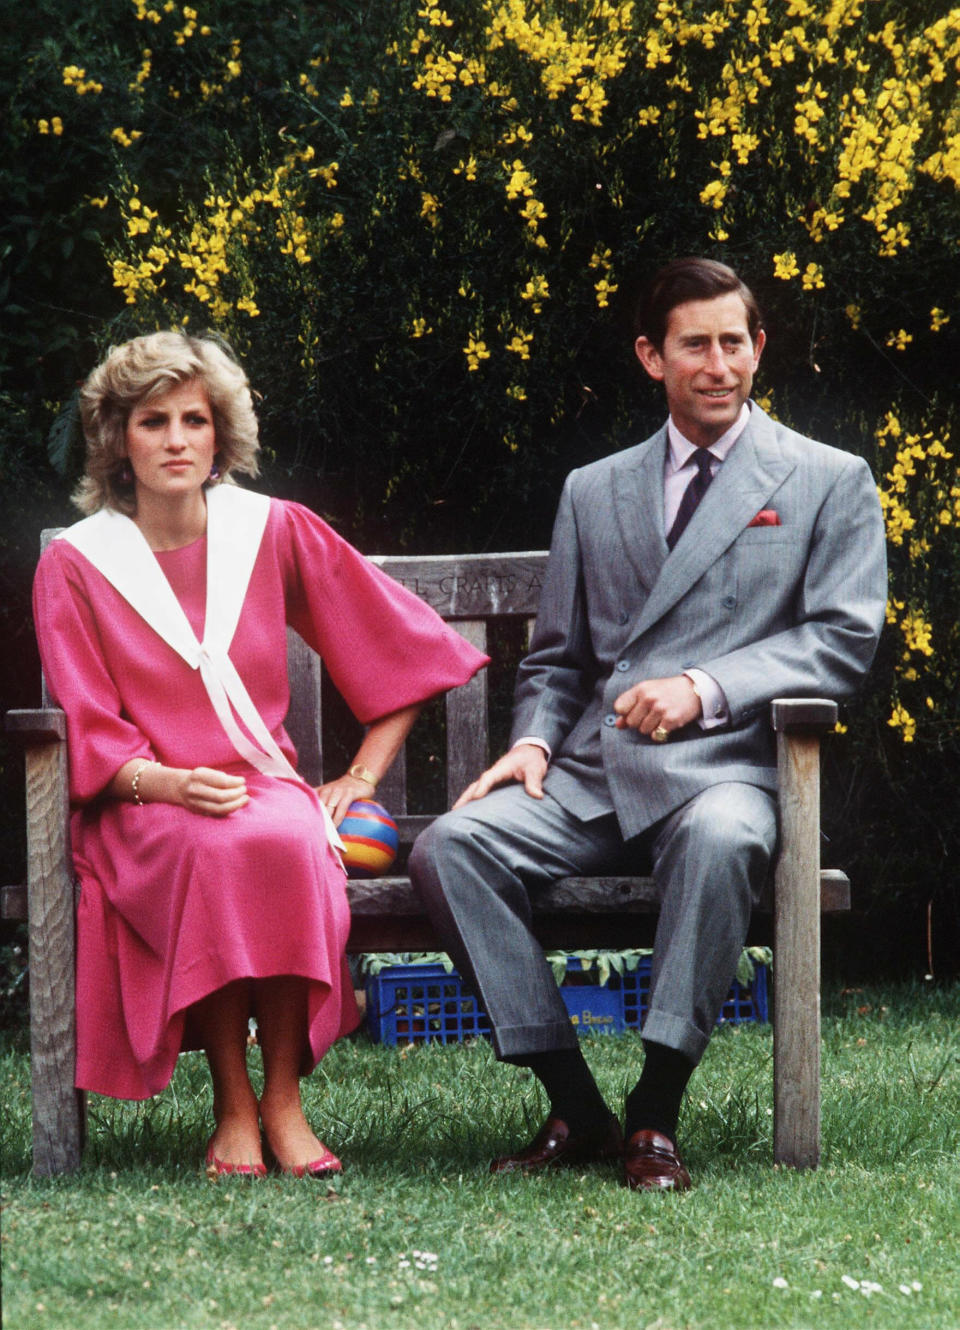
x: 660, y: 735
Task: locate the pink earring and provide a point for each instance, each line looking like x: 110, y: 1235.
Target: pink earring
x: 125, y: 474
x: 214, y: 472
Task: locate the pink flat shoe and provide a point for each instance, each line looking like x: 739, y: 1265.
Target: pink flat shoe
x: 323, y: 1167
x: 219, y: 1168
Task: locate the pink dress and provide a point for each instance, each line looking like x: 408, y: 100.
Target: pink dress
x: 174, y: 905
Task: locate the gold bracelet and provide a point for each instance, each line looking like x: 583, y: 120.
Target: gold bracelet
x: 135, y: 782
x: 360, y: 772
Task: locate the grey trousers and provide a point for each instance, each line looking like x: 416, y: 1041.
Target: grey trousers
x: 478, y: 867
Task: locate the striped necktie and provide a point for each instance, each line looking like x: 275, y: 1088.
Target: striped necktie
x: 691, y: 495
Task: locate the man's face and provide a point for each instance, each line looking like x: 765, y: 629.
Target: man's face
x: 706, y: 365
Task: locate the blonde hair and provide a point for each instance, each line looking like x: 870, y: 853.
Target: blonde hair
x: 141, y: 370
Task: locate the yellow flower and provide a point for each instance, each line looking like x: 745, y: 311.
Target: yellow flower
x: 901, y: 719
x: 533, y: 212
x: 520, y: 182
x: 785, y: 265
x: 937, y: 319
x: 536, y: 291
x: 604, y: 290
x: 75, y: 78
x: 714, y: 193
x: 475, y: 351
x: 899, y: 340
x: 121, y: 136
x: 467, y: 169
x: 813, y: 278
x: 519, y: 344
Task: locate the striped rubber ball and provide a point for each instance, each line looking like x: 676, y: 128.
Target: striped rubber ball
x: 370, y: 839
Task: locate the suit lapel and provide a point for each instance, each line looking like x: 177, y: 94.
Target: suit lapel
x: 638, y: 504
x: 753, y: 471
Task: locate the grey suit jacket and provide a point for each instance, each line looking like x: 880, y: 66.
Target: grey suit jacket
x: 788, y: 610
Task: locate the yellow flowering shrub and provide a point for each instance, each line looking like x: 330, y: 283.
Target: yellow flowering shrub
x: 429, y: 226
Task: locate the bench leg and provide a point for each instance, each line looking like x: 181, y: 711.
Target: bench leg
x: 57, y: 1106
x: 796, y: 952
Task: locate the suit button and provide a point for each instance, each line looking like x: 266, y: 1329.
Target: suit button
x: 623, y: 666
x: 610, y: 720
x: 728, y: 602
x: 623, y: 617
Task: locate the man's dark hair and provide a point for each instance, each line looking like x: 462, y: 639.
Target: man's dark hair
x: 689, y: 279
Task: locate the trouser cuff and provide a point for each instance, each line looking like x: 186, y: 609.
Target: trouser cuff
x: 513, y: 1041
x: 674, y: 1032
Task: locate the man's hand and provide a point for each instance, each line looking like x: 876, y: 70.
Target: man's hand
x: 670, y: 703
x: 526, y: 763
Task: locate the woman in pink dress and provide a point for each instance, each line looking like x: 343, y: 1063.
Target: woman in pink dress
x: 212, y: 889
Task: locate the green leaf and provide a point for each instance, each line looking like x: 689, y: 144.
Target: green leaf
x: 65, y: 439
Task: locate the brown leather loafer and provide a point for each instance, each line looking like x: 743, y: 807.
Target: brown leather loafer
x: 651, y: 1163
x: 554, y: 1145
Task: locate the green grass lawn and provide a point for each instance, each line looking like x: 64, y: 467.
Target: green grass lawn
x: 416, y: 1235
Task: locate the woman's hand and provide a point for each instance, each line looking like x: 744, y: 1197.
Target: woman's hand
x: 212, y: 793
x: 381, y: 744
x: 203, y: 790
x: 339, y: 794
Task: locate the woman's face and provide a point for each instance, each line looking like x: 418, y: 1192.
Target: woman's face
x: 171, y: 442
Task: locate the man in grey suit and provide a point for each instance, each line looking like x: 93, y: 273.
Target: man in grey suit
x: 693, y: 578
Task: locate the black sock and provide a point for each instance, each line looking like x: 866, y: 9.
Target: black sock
x: 654, y: 1102
x: 573, y: 1093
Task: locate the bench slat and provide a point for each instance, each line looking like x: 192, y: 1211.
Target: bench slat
x: 576, y: 896
x: 471, y: 586
x: 467, y: 719
x: 394, y: 897
x: 392, y: 790
x: 303, y: 718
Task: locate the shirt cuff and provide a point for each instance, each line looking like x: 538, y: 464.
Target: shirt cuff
x: 713, y: 700
x: 532, y: 739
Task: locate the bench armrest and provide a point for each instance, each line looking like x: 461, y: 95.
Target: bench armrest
x: 805, y: 715
x: 38, y: 725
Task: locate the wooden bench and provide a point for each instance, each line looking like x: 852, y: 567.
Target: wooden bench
x: 471, y: 591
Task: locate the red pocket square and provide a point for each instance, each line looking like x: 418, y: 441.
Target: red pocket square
x: 766, y: 517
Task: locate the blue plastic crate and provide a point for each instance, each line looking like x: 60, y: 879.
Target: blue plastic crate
x: 593, y: 1009
x: 419, y: 1003
x: 416, y: 1004
x: 742, y: 1004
